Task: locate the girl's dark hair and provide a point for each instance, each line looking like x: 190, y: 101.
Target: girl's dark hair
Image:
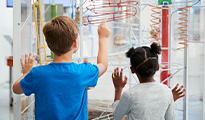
x: 137, y: 57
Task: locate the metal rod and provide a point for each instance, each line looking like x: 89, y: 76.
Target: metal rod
x: 16, y: 55
x: 130, y: 43
x: 202, y: 12
x: 27, y: 107
x: 121, y: 23
x: 30, y: 98
x: 26, y: 20
x: 46, y: 9
x: 185, y: 80
x: 81, y: 30
x: 171, y: 76
x: 10, y: 86
x: 135, y: 37
x: 169, y: 46
x: 53, y: 2
x: 83, y: 3
x: 140, y: 22
x: 137, y: 81
x: 114, y: 27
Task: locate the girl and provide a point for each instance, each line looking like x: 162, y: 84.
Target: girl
x: 148, y: 100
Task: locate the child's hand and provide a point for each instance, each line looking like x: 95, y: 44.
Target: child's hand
x: 177, y: 93
x: 28, y: 63
x: 103, y: 30
x: 118, y: 80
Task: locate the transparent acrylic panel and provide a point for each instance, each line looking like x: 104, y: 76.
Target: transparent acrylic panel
x: 29, y: 44
x: 195, y: 62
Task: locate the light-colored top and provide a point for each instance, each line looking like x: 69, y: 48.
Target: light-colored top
x: 145, y: 101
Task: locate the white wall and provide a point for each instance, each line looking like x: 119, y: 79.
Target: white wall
x: 6, y: 28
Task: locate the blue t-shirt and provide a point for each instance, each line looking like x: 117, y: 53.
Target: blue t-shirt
x: 60, y: 90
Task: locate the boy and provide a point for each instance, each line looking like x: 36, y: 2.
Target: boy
x: 60, y: 88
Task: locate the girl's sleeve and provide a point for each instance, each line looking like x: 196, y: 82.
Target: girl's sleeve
x: 170, y: 113
x: 122, y: 107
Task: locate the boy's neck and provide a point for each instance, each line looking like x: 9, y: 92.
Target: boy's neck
x: 146, y: 79
x: 65, y: 58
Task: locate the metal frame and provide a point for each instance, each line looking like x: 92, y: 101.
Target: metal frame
x: 203, y: 3
x: 186, y: 97
x: 17, y: 55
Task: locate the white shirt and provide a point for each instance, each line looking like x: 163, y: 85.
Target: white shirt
x: 145, y: 101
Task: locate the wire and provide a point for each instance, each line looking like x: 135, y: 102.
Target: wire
x: 155, y: 26
x: 183, y: 31
x: 196, y: 3
x: 96, y: 8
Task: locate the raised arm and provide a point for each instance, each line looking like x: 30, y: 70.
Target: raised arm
x: 178, y: 92
x: 102, y: 59
x: 121, y: 105
x: 118, y: 82
x: 26, y: 67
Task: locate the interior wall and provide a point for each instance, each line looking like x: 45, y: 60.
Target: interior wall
x: 6, y: 28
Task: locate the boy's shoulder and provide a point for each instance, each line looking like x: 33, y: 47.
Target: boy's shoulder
x: 64, y: 67
x: 87, y: 65
x: 40, y: 67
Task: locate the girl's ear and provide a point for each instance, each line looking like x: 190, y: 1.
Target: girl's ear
x: 132, y: 70
x: 158, y: 67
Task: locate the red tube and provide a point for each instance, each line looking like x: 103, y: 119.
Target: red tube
x: 165, y: 42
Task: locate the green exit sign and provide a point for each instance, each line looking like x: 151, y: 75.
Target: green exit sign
x: 164, y: 2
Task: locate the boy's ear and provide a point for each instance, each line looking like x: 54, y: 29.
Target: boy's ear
x: 75, y: 45
x: 132, y: 70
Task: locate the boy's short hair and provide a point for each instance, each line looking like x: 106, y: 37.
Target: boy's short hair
x: 60, y: 33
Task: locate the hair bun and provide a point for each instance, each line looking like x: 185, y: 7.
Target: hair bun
x: 150, y: 71
x: 130, y: 52
x: 156, y: 48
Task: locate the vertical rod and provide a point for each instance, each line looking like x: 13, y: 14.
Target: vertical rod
x: 165, y: 41
x: 169, y: 46
x: 53, y: 2
x: 53, y: 15
x: 30, y: 109
x: 38, y: 42
x: 30, y: 25
x: 204, y: 83
x: 185, y: 80
x: 81, y: 29
x: 41, y: 26
x: 140, y: 22
x: 202, y: 12
x: 16, y: 55
x: 10, y: 86
x: 72, y: 14
x: 39, y: 31
x: 130, y: 43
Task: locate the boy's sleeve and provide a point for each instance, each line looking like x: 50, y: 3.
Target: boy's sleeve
x: 90, y: 74
x: 27, y: 84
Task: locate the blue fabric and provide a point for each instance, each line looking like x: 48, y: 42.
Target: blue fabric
x: 60, y: 90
